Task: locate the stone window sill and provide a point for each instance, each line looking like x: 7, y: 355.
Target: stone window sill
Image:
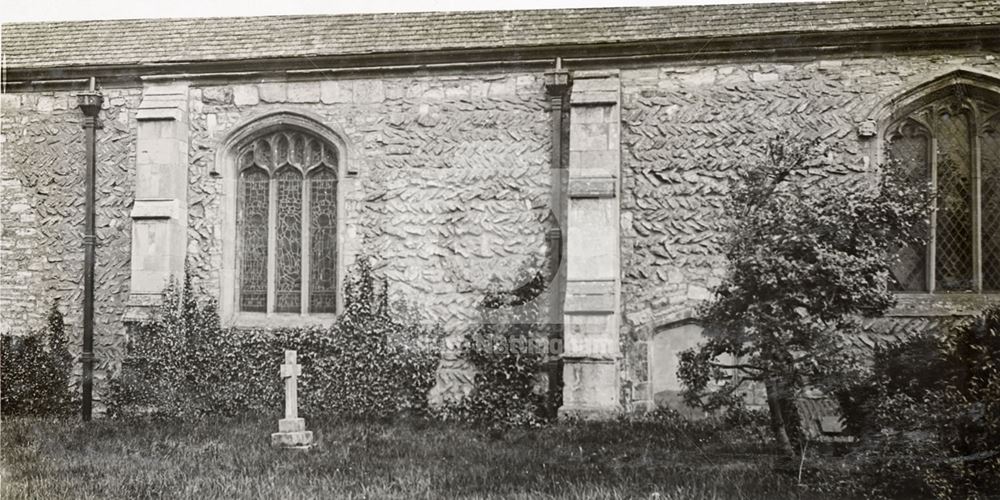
x: 942, y: 304
x: 276, y: 320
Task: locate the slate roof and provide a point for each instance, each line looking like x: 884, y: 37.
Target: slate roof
x: 134, y: 42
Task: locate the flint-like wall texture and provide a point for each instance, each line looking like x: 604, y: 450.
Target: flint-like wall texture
x: 453, y: 173
x: 453, y: 182
x: 452, y: 188
x: 42, y: 210
x: 685, y: 129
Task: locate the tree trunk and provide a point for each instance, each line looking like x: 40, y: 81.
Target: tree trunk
x: 774, y: 399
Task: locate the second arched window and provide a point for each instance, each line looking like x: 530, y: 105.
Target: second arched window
x: 953, y: 142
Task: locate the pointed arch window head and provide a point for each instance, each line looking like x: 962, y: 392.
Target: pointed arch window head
x: 286, y: 224
x: 952, y: 140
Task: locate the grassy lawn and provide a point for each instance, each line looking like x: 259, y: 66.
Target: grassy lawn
x: 45, y: 458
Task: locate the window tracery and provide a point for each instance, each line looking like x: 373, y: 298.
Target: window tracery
x: 287, y: 224
x: 954, y: 143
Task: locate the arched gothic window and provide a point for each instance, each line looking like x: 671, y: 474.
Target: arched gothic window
x: 286, y: 224
x: 954, y: 142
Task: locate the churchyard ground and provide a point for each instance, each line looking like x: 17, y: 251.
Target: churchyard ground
x: 49, y: 458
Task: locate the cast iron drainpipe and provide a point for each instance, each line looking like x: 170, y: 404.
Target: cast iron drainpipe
x: 89, y: 102
x: 557, y: 86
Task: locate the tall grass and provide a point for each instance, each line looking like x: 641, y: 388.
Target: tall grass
x: 48, y: 458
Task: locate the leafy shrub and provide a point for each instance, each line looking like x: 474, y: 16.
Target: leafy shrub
x: 928, y: 414
x: 806, y: 255
x: 35, y: 371
x: 377, y: 360
x: 509, y: 349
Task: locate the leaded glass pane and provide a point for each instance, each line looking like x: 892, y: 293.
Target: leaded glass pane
x: 329, y: 156
x: 288, y: 236
x: 323, y: 240
x: 246, y: 160
x: 298, y: 150
x: 263, y: 155
x: 909, y: 145
x: 252, y: 229
x: 990, y: 144
x: 314, y: 153
x: 953, y: 263
x: 280, y: 158
x: 281, y: 150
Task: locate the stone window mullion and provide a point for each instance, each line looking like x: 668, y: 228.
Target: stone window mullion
x: 306, y: 244
x: 272, y: 243
x: 977, y: 213
x: 932, y: 226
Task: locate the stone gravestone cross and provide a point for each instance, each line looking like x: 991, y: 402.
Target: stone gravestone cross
x: 292, y: 431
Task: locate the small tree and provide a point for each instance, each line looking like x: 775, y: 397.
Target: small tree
x: 806, y: 256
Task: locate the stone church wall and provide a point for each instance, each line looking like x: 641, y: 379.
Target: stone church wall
x: 42, y: 210
x: 685, y: 127
x: 452, y: 186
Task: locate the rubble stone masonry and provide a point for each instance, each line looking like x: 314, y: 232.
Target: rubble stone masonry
x: 449, y: 183
x: 41, y: 214
x: 685, y: 128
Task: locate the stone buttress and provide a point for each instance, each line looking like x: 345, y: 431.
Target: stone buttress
x: 593, y: 285
x: 159, y: 216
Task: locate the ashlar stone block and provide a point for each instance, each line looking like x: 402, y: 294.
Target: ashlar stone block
x: 331, y: 92
x: 303, y: 92
x: 590, y: 390
x: 593, y: 223
x: 159, y: 232
x: 589, y: 137
x: 273, y: 92
x: 245, y: 95
x: 369, y: 91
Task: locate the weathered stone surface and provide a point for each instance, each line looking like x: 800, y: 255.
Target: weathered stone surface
x: 333, y: 92
x: 591, y: 307
x: 303, y: 92
x: 682, y: 142
x: 451, y: 191
x: 587, y: 392
x: 592, y: 187
x: 245, y: 95
x: 291, y: 425
x: 160, y: 212
x: 302, y: 439
x: 217, y: 95
x: 369, y: 91
x: 273, y: 92
x: 452, y: 181
x: 41, y: 215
